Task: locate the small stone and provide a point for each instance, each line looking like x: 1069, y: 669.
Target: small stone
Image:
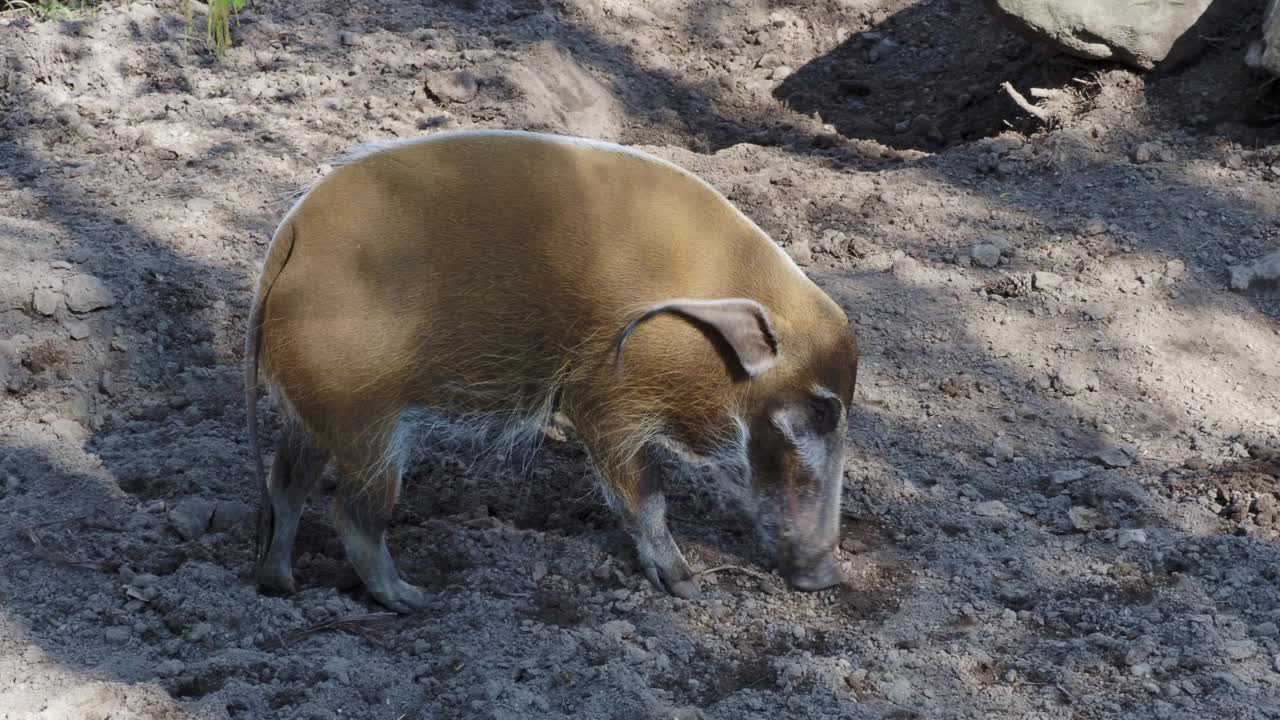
x: 191, y: 517
x: 800, y: 252
x: 144, y: 580
x: 200, y: 205
x: 1002, y: 449
x: 857, y: 680
x: 68, y: 430
x: 1062, y: 477
x: 1141, y: 670
x: 1112, y: 458
x: 117, y: 634
x: 84, y: 293
x: 1144, y: 153
x: 688, y: 713
x: 459, y: 86
x: 992, y: 509
x: 1241, y: 649
x: 539, y: 570
x: 797, y: 632
x: 199, y: 632
x: 171, y: 667
x: 901, y: 692
x: 1073, y: 380
x: 1130, y: 538
x: 616, y: 630
x: 1093, y: 227
x: 905, y: 269
x: 1085, y: 519
x: 1235, y: 162
x: 77, y: 329
x: 337, y: 668
x: 1175, y: 269
x: 229, y: 515
x: 349, y: 39
x: 1042, y: 280
x: 46, y: 301
x: 1266, y: 629
x: 782, y: 72
x: 1001, y: 243
x: 985, y: 255
x: 1275, y: 663
x: 1196, y: 462
x: 1097, y: 311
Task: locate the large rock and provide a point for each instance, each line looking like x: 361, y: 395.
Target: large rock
x: 1136, y: 33
x: 1265, y: 54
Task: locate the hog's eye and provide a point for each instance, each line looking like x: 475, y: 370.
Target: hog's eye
x: 824, y: 413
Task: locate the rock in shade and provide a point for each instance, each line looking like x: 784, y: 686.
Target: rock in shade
x: 1130, y: 538
x: 1085, y: 519
x: 190, y: 518
x: 617, y: 629
x: 84, y: 293
x: 1241, y: 649
x: 985, y: 255
x: 337, y: 668
x: 1062, y: 477
x: 992, y: 509
x: 231, y: 514
x: 1113, y: 458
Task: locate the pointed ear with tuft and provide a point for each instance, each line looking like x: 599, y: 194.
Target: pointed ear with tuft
x: 742, y: 324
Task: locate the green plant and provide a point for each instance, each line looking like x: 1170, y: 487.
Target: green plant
x: 218, y: 24
x: 54, y: 10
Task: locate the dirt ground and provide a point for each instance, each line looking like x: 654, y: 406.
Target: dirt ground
x: 1061, y: 490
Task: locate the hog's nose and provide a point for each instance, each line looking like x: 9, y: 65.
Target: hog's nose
x: 818, y: 576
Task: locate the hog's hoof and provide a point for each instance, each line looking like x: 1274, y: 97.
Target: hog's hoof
x: 824, y: 575
x: 686, y: 589
x: 274, y: 583
x: 401, y: 597
x: 679, y: 583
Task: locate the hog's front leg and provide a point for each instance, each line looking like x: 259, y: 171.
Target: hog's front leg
x: 633, y: 488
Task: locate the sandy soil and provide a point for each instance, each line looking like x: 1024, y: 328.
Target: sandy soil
x: 1060, y: 499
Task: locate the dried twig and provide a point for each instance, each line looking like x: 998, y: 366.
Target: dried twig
x: 40, y: 551
x: 745, y: 571
x: 1021, y: 102
x: 353, y: 624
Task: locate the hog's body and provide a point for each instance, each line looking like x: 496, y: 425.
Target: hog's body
x: 488, y: 277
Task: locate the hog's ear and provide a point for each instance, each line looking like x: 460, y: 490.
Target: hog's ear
x: 743, y: 325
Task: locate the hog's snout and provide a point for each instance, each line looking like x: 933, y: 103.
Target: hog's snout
x: 818, y: 575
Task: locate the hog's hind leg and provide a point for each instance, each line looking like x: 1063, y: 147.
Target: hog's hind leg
x: 361, y: 511
x: 298, y: 465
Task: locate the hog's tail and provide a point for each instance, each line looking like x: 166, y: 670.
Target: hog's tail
x: 277, y: 256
